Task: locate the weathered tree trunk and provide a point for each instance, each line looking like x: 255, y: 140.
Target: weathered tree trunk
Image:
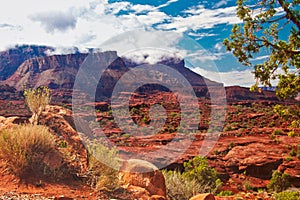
x: 34, y: 119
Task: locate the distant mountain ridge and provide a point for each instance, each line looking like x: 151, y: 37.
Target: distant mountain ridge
x: 59, y: 71
x: 31, y: 66
x: 12, y: 58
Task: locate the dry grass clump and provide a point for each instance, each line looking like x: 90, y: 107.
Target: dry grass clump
x: 101, y: 176
x: 198, y: 177
x: 23, y: 147
x: 182, y: 187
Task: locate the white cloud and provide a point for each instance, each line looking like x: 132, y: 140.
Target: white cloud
x: 220, y: 3
x: 202, y: 18
x: 195, y: 10
x: 145, y: 21
x: 138, y: 8
x: 87, y: 23
x: 260, y: 58
x: 82, y: 23
x: 167, y: 4
x: 86, y: 38
x: 10, y: 27
x: 201, y: 35
x: 218, y: 46
x: 145, y: 46
x: 243, y: 78
x: 55, y: 20
x: 116, y: 7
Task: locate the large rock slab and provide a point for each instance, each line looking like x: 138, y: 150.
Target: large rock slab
x: 256, y: 159
x: 143, y: 174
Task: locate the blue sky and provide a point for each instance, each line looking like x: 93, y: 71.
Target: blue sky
x: 156, y: 23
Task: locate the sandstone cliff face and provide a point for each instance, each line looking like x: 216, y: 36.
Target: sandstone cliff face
x: 29, y: 65
x: 57, y: 71
x: 11, y: 59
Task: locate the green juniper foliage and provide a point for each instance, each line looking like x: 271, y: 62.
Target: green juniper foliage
x: 260, y: 33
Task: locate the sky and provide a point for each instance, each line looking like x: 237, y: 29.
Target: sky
x: 191, y: 29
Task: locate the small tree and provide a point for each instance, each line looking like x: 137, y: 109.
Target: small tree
x: 37, y: 100
x: 271, y: 27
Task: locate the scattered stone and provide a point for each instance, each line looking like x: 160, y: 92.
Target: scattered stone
x: 157, y: 197
x: 206, y: 196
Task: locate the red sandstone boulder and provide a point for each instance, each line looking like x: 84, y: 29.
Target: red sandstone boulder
x: 60, y: 121
x: 145, y: 175
x: 257, y: 159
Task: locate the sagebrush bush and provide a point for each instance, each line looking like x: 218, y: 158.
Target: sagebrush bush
x: 295, y: 124
x: 279, y: 182
x: 23, y: 147
x: 287, y: 195
x: 198, y: 177
x: 180, y: 186
x: 225, y: 193
x: 101, y: 176
x: 277, y: 132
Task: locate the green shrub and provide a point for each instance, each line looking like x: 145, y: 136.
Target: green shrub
x: 248, y: 186
x: 292, y: 153
x: 225, y: 193
x: 198, y: 169
x: 288, y: 158
x: 287, y: 195
x: 62, y: 144
x: 298, y: 152
x: 228, y: 128
x: 279, y: 181
x: 101, y: 176
x: 24, y: 147
x: 230, y: 146
x: 198, y: 177
x: 216, y: 152
x: 272, y: 137
x: 293, y: 134
x: 277, y: 132
x: 295, y: 124
x: 181, y: 187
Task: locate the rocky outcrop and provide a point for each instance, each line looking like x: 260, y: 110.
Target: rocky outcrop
x: 250, y: 158
x: 293, y: 169
x: 31, y: 66
x: 139, y: 173
x: 60, y: 121
x: 11, y: 59
x: 6, y: 122
x: 57, y: 71
x: 256, y: 159
x: 238, y: 94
